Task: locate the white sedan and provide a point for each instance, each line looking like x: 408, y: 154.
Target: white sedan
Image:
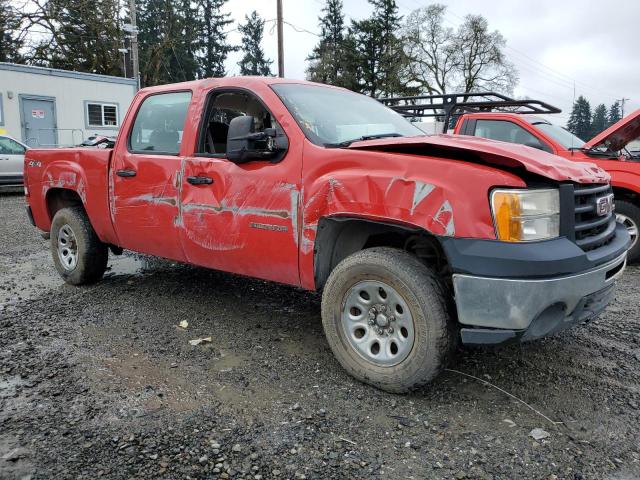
x: 11, y: 161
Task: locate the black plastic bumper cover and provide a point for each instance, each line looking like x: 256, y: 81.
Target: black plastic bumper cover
x: 549, y: 258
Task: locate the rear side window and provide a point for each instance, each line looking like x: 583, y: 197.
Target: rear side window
x: 160, y: 123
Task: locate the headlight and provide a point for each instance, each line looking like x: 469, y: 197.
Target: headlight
x: 526, y: 215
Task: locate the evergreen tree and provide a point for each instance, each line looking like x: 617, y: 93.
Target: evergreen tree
x: 392, y: 56
x: 327, y: 58
x: 84, y: 36
x: 253, y: 62
x: 366, y: 38
x: 599, y: 122
x: 580, y: 119
x: 9, y: 23
x: 214, y: 48
x: 615, y: 114
x: 380, y: 58
x: 167, y: 37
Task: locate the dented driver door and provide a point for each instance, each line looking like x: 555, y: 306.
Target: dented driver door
x: 242, y: 218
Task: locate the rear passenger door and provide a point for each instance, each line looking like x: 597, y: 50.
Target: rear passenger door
x: 146, y: 173
x: 504, y: 131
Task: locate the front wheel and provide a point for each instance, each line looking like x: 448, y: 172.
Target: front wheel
x: 628, y: 214
x: 78, y: 254
x: 386, y: 318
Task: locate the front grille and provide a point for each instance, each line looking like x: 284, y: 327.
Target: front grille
x: 592, y: 230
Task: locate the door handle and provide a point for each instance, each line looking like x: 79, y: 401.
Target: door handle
x: 126, y: 173
x: 202, y: 180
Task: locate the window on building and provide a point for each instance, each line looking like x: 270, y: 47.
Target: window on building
x: 1, y: 111
x: 102, y: 115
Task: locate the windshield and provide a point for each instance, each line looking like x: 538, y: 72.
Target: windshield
x: 330, y: 116
x: 562, y: 136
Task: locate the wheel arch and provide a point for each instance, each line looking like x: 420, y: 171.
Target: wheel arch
x: 338, y: 237
x: 59, y: 198
x: 624, y: 193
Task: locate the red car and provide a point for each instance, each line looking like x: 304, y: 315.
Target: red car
x: 497, y: 117
x: 416, y: 242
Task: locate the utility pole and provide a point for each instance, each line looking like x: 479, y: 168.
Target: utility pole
x: 134, y: 42
x: 280, y: 40
x: 622, y: 102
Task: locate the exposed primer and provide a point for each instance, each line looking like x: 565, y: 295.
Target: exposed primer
x: 235, y: 210
x: 112, y: 199
x: 81, y: 191
x: 444, y: 217
x: 149, y: 198
x: 420, y: 192
x: 294, y: 214
x: 179, y: 221
x: 66, y: 179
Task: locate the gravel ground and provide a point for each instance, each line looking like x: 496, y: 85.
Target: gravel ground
x: 100, y: 382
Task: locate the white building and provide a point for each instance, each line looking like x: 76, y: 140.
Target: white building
x: 51, y: 107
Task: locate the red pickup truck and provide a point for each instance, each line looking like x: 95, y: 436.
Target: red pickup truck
x: 497, y: 117
x: 417, y: 242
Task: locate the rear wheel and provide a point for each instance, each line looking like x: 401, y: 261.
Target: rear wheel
x: 628, y: 214
x: 78, y: 254
x: 386, y: 319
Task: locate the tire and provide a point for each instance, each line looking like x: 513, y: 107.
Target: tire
x: 71, y: 232
x: 628, y: 214
x: 408, y: 283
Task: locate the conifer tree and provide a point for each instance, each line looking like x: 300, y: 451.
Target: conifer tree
x: 580, y: 119
x: 615, y: 114
x: 599, y: 121
x: 214, y: 48
x: 168, y: 41
x: 253, y: 62
x: 82, y: 36
x: 9, y: 23
x: 327, y: 58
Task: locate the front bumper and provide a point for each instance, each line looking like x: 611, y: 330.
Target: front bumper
x: 519, y: 306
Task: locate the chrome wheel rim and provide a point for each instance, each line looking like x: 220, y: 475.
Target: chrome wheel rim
x: 377, y: 323
x: 67, y: 248
x: 631, y: 227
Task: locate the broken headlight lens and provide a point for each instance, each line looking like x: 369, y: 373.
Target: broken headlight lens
x: 526, y: 215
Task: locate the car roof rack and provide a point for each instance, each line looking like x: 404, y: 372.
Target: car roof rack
x: 448, y: 105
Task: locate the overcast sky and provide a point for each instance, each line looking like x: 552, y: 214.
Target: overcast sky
x: 553, y: 43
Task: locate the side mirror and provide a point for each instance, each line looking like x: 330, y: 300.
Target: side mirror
x: 243, y: 142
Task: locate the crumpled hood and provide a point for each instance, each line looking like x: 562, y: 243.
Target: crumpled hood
x: 499, y: 154
x: 618, y: 135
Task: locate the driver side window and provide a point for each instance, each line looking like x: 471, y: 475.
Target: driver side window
x: 224, y: 107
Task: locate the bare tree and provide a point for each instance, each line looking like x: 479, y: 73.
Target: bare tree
x: 433, y: 60
x: 442, y: 59
x: 483, y: 65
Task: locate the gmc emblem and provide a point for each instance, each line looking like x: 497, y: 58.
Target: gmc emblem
x: 604, y: 205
